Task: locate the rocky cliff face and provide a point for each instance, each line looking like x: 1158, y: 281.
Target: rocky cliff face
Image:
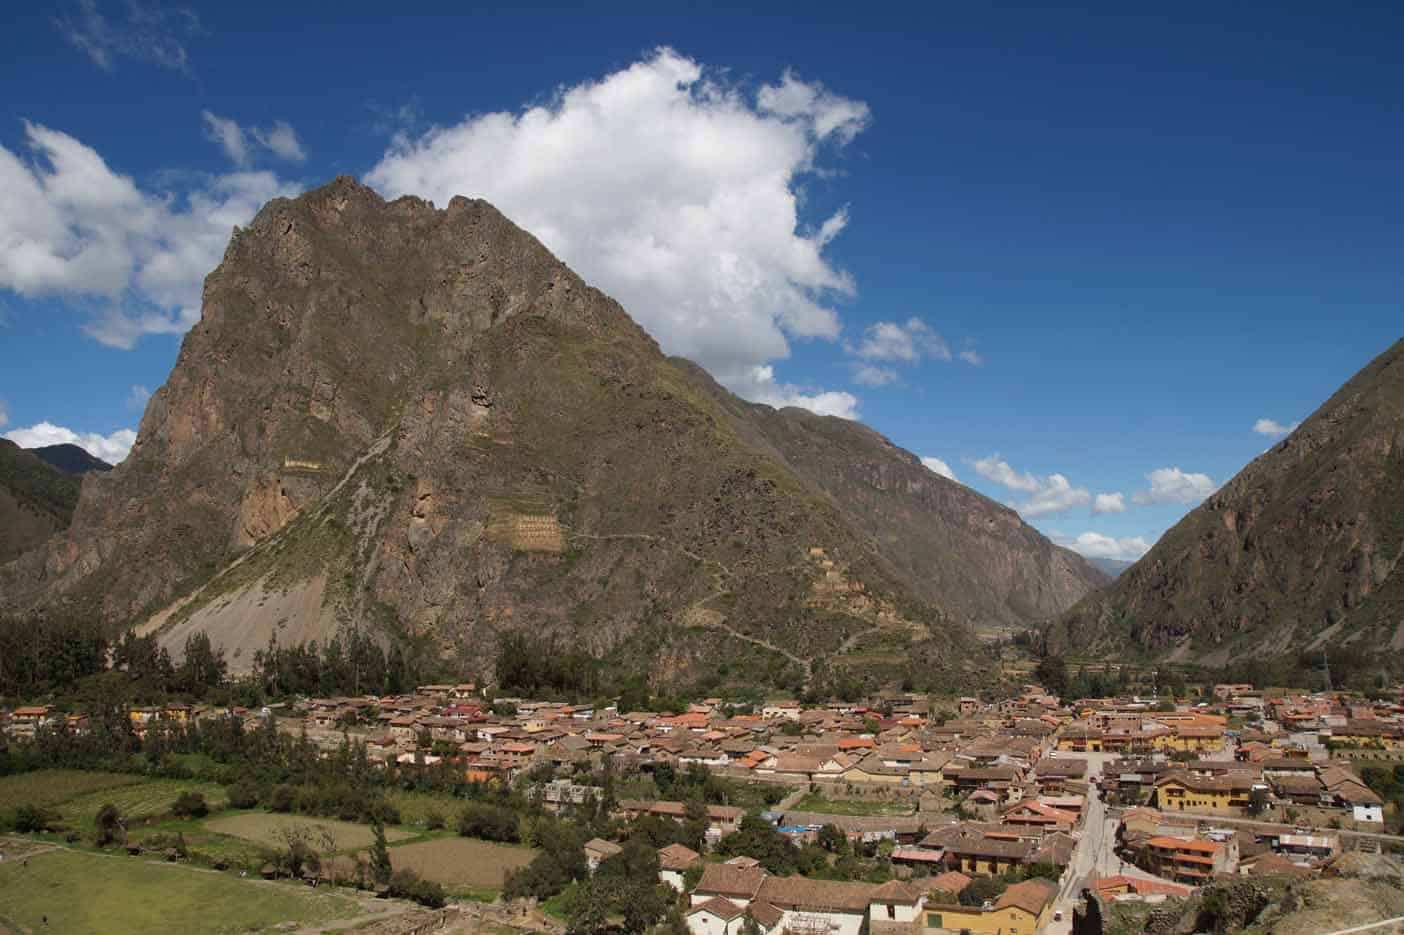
x: 950, y: 543
x: 1302, y: 549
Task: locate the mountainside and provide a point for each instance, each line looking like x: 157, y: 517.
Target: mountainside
x: 36, y: 500
x: 70, y: 459
x: 420, y: 424
x: 953, y: 545
x: 1302, y: 549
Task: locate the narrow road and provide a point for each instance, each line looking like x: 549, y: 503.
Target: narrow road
x: 1095, y: 855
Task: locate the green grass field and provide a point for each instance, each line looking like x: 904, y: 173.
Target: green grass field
x: 814, y: 802
x: 90, y: 894
x: 50, y: 787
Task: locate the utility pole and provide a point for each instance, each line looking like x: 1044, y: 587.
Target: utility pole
x: 1326, y: 661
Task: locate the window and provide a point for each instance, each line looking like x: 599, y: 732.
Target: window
x: 891, y: 911
x: 933, y: 920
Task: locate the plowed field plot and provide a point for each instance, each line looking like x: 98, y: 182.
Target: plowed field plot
x: 262, y: 828
x: 461, y: 862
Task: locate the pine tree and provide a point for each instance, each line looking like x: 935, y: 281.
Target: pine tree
x: 380, y: 855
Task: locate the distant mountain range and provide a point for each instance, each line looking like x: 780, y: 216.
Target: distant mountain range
x: 36, y: 499
x: 70, y: 459
x: 1299, y: 553
x: 1113, y: 567
x: 418, y: 423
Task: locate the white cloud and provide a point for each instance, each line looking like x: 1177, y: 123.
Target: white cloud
x: 229, y: 135
x: 1172, y: 485
x: 146, y: 32
x: 992, y: 468
x: 908, y: 342
x: 873, y: 375
x: 1051, y: 494
x: 1109, y: 503
x: 110, y: 448
x: 671, y: 189
x: 760, y: 385
x: 1274, y: 429
x: 71, y: 226
x: 1097, y: 545
x: 936, y: 465
x: 972, y: 357
x: 4, y: 414
x: 1055, y: 495
x: 280, y: 139
x: 138, y: 397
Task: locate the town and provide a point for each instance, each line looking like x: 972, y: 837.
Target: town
x: 909, y: 813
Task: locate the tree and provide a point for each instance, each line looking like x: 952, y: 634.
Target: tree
x: 1258, y: 802
x: 380, y: 868
x: 832, y: 839
x: 1052, y: 674
x: 587, y: 907
x: 110, y: 827
x: 695, y: 823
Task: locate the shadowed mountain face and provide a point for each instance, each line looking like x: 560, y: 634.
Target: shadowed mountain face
x: 70, y: 459
x: 951, y: 544
x: 1302, y: 549
x: 418, y: 423
x: 36, y: 500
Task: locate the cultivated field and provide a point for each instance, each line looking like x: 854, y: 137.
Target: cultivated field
x: 262, y: 828
x: 461, y: 862
x: 143, y: 799
x: 102, y: 895
x: 50, y: 787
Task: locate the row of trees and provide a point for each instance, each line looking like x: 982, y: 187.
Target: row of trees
x: 71, y: 658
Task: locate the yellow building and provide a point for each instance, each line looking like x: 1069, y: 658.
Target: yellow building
x: 1218, y: 795
x: 1020, y: 910
x: 1192, y: 738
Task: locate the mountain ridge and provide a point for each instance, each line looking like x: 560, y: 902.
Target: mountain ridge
x: 1300, y: 550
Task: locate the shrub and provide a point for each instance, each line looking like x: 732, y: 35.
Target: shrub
x: 434, y: 820
x: 406, y: 884
x: 282, y: 798
x: 489, y: 822
x: 242, y: 795
x: 190, y: 805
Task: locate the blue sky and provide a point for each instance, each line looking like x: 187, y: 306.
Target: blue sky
x: 1068, y: 252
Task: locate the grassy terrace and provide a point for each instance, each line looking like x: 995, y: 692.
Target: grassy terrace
x: 242, y: 839
x: 815, y: 802
x: 113, y: 895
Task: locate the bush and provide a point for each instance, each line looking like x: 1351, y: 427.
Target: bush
x: 406, y: 884
x: 489, y: 822
x: 190, y: 805
x: 434, y: 820
x: 242, y: 795
x: 31, y: 818
x: 282, y: 798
